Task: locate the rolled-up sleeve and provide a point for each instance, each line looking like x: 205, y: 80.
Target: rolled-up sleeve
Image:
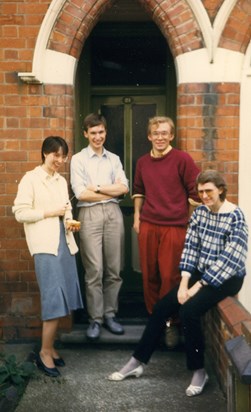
x: 78, y: 175
x: 120, y: 174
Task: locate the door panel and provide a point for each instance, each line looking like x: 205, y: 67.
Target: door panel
x: 127, y: 119
x: 114, y: 114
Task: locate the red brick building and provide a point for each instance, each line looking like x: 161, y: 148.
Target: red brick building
x: 59, y: 60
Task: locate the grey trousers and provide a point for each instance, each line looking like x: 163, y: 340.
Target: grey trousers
x: 101, y: 243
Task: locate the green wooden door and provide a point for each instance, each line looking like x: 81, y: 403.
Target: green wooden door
x: 126, y: 71
x: 127, y: 118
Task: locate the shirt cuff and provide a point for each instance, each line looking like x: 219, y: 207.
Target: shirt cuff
x: 185, y: 274
x: 137, y: 195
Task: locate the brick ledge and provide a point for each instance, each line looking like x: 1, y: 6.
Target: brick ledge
x: 236, y: 317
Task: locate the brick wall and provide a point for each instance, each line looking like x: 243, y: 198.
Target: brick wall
x: 228, y: 320
x: 208, y: 127
x: 207, y: 119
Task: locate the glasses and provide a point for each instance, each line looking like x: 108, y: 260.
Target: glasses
x: 208, y: 192
x: 58, y: 156
x: 164, y: 133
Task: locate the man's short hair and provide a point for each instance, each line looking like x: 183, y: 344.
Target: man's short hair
x: 156, y: 120
x: 94, y: 119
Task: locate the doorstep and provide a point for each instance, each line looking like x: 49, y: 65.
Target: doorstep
x: 78, y: 335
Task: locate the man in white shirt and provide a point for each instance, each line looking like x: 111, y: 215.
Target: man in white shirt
x: 98, y: 179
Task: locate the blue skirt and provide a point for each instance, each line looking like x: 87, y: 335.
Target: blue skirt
x: 58, y: 282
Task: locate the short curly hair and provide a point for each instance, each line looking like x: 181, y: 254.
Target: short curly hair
x: 213, y: 176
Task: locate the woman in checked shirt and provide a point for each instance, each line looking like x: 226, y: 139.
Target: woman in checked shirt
x: 212, y: 267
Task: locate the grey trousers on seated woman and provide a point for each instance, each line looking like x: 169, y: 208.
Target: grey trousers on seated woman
x: 190, y: 314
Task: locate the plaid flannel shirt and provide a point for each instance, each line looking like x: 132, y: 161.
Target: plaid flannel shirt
x: 216, y: 244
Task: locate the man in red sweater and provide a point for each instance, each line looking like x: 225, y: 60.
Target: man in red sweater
x: 164, y: 186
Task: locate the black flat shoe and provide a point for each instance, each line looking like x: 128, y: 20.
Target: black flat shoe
x: 52, y: 372
x: 59, y: 361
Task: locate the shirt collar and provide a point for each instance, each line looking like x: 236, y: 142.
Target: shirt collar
x: 44, y: 175
x: 168, y: 149
x: 226, y: 207
x: 91, y: 152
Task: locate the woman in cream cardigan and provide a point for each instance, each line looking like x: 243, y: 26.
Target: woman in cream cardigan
x: 42, y: 204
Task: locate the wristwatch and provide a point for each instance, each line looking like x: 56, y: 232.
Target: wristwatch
x: 98, y: 189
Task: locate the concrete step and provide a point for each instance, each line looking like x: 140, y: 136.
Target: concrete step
x: 78, y: 335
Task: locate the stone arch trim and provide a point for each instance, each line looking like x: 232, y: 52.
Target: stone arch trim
x: 74, y: 24
x: 185, y: 24
x: 177, y: 20
x: 174, y: 18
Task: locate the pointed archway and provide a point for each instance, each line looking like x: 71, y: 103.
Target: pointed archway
x: 67, y: 25
x: 185, y: 24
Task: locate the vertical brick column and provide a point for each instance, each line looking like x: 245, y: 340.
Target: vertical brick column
x: 208, y: 127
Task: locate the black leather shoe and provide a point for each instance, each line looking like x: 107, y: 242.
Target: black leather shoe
x: 93, y: 331
x: 52, y: 372
x: 59, y: 361
x: 113, y: 326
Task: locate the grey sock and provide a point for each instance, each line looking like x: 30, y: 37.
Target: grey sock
x: 198, y: 377
x: 130, y: 365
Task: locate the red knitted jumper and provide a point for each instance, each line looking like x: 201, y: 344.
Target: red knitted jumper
x: 166, y: 182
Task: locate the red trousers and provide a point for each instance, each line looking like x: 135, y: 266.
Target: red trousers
x: 160, y: 249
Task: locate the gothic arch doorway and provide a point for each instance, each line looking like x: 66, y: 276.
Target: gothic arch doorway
x: 126, y: 72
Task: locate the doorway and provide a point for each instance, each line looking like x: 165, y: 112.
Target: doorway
x: 126, y: 72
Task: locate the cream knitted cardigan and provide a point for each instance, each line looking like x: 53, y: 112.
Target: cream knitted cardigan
x: 38, y: 192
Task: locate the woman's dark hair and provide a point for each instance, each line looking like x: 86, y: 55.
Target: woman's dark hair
x: 212, y: 176
x: 52, y: 144
x: 94, y: 119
